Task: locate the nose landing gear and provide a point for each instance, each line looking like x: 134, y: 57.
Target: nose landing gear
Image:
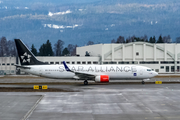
x: 85, y: 82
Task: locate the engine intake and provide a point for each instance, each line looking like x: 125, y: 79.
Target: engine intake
x: 102, y: 78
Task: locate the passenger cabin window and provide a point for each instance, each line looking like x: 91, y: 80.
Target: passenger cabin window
x: 51, y: 62
x: 73, y: 62
x: 57, y: 62
x: 148, y: 69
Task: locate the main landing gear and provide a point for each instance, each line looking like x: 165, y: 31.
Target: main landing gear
x: 143, y: 82
x: 85, y: 82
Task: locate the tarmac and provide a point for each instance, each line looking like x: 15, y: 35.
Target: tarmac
x: 92, y: 102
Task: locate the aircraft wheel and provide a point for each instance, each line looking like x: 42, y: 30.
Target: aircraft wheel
x: 143, y: 82
x: 85, y: 82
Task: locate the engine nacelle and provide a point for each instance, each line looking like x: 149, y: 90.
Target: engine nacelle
x: 102, y: 78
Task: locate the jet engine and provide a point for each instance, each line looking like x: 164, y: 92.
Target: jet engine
x: 102, y: 78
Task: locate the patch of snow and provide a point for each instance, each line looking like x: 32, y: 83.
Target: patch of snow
x: 151, y: 22
x: 60, y: 26
x: 60, y: 13
x: 80, y: 9
x: 26, y: 7
x: 112, y: 25
x: 156, y: 22
x: 5, y: 7
x: 69, y: 26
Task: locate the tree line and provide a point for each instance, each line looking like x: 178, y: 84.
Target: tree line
x: 46, y: 49
x: 7, y: 47
x: 164, y: 39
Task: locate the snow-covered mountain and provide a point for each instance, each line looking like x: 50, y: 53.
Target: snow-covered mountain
x: 77, y: 22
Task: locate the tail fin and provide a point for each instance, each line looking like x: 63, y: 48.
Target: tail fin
x: 26, y: 57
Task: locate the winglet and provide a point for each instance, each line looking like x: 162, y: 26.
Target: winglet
x: 66, y: 67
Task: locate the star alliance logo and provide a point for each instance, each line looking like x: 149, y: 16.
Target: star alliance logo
x: 25, y: 57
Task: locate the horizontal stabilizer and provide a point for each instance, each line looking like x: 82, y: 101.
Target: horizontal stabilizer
x: 24, y: 67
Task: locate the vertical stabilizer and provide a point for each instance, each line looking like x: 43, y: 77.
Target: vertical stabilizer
x: 26, y: 57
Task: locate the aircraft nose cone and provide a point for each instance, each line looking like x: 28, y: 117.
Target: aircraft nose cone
x: 155, y: 73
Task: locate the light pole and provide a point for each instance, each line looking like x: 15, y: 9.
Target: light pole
x: 10, y: 64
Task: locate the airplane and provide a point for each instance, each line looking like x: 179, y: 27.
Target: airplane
x: 97, y: 73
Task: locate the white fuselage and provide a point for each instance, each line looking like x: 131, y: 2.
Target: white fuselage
x: 116, y: 72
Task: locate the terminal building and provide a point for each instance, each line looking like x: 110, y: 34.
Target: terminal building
x: 162, y: 58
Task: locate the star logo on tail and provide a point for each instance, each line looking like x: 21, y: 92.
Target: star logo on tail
x: 26, y: 58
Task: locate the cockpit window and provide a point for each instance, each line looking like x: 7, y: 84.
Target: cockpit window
x: 148, y: 69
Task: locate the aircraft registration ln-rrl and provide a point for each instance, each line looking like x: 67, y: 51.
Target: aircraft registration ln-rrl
x: 97, y: 73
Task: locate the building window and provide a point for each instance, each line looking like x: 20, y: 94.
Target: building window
x: 3, y: 64
x: 112, y: 62
x: 177, y: 68
x: 170, y: 62
x: 157, y: 70
x: 137, y: 53
x: 78, y: 62
x: 8, y: 64
x: 83, y: 62
x: 167, y: 68
x: 57, y: 62
x: 149, y: 62
x: 95, y: 62
x: 172, y: 68
x: 51, y: 62
x: 134, y: 62
x: 177, y: 62
x: 162, y: 67
x: 89, y: 62
x: 105, y: 62
x: 167, y: 62
x: 73, y: 62
x: 12, y: 63
x: 123, y: 62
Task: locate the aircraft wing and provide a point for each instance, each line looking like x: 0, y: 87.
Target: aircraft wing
x: 81, y: 75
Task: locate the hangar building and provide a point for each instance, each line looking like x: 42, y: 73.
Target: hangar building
x: 163, y: 58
